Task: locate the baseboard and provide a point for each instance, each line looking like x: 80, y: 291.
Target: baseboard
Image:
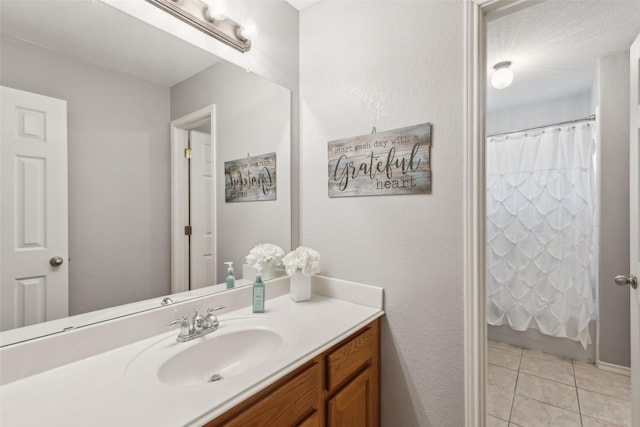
x: 616, y: 369
x: 534, y: 340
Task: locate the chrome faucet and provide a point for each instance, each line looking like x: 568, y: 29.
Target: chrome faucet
x: 198, y: 326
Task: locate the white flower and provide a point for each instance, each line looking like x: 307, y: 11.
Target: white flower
x: 264, y: 254
x: 304, y: 260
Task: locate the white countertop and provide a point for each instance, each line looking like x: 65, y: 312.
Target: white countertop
x: 95, y: 390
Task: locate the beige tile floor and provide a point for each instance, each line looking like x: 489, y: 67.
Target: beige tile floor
x: 528, y: 388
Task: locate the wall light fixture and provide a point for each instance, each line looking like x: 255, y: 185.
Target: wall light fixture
x: 215, y: 11
x: 502, y: 75
x: 210, y: 17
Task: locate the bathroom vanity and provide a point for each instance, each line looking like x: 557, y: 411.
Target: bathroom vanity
x: 340, y: 387
x: 315, y: 363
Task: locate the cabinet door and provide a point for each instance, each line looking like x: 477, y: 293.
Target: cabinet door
x: 351, y: 357
x: 285, y: 405
x: 314, y: 420
x: 353, y: 405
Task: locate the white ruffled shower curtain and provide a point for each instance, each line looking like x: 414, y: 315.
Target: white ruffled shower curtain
x: 540, y: 222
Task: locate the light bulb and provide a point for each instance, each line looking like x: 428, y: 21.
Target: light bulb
x: 502, y: 76
x: 247, y: 31
x: 216, y: 10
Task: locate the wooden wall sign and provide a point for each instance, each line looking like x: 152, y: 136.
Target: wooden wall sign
x: 381, y: 164
x: 250, y: 179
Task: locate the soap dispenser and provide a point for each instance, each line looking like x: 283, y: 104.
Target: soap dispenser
x: 258, y: 293
x: 231, y: 279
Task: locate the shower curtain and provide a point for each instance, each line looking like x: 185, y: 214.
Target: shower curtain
x: 540, y: 222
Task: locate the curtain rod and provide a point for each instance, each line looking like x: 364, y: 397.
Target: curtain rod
x: 568, y: 122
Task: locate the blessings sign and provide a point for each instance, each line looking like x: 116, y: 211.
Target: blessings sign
x: 250, y: 179
x: 381, y: 164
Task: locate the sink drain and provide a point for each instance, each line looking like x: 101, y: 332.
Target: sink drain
x: 215, y: 377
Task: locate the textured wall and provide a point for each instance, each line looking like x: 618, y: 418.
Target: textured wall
x: 119, y: 169
x: 614, y: 208
x: 391, y: 64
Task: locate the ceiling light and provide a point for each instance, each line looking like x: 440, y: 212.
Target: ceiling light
x: 502, y: 75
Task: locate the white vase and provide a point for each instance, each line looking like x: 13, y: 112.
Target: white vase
x: 268, y: 272
x: 300, y: 287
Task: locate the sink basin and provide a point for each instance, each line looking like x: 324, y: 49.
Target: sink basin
x: 239, y: 347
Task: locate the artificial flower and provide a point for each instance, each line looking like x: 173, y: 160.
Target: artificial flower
x: 303, y: 260
x: 263, y: 255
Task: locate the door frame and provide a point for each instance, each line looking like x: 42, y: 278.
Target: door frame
x: 180, y: 195
x: 475, y: 329
x: 476, y: 14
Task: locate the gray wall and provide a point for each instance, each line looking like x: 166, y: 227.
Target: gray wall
x: 119, y: 172
x: 253, y: 116
x: 391, y: 64
x: 274, y: 55
x: 614, y: 207
x: 539, y: 114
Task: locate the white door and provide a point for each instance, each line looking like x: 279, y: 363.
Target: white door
x: 33, y: 217
x: 202, y: 257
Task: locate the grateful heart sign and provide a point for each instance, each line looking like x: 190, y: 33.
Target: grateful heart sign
x: 381, y: 164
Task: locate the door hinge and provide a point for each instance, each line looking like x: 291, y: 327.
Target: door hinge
x: 187, y: 153
x: 187, y: 230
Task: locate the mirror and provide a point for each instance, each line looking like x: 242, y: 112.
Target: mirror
x: 124, y: 82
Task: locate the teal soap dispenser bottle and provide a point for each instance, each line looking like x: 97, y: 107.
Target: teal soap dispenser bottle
x: 258, y: 293
x: 231, y: 279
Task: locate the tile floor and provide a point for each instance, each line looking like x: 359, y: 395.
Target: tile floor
x: 528, y: 388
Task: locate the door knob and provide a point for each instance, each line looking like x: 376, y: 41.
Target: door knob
x: 56, y: 261
x: 624, y: 280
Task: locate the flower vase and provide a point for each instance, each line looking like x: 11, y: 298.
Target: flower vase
x: 300, y: 287
x: 268, y: 271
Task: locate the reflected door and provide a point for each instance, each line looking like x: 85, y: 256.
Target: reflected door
x: 202, y: 242
x: 33, y: 218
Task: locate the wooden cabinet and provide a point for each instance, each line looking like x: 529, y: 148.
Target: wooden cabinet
x: 339, y: 388
x: 300, y: 395
x: 353, y: 405
x: 353, y: 380
x: 314, y: 420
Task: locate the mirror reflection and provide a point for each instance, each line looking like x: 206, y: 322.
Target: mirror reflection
x: 107, y: 195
